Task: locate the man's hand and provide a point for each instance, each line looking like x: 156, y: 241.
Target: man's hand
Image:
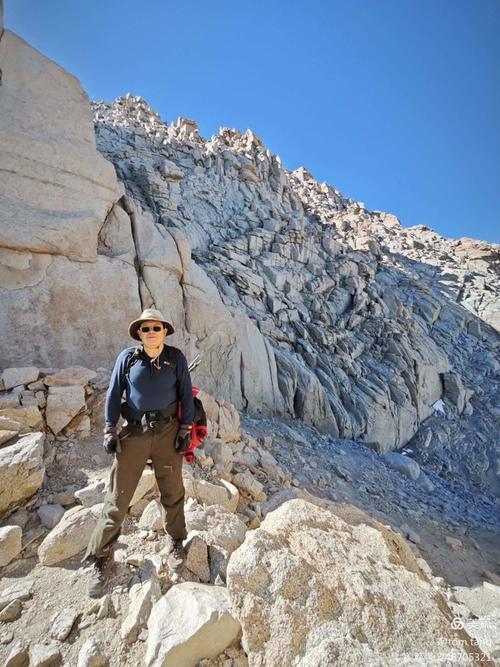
x: 111, y: 441
x: 183, y: 438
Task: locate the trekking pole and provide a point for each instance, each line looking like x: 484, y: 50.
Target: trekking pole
x: 195, y: 362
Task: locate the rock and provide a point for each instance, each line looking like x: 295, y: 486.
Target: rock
x: 341, y: 592
x: 44, y: 655
x: 152, y: 517
x: 50, y: 515
x: 220, y: 452
x: 92, y: 494
x: 18, y: 656
x: 480, y: 600
x: 454, y: 543
x: 410, y: 534
x: 62, y: 623
x: 10, y: 400
x: 91, y: 655
x: 142, y: 597
x: 229, y: 422
x: 20, y: 590
x: 5, y: 436
x: 223, y: 493
x: 70, y: 536
x: 11, y: 612
x: 486, y: 632
x: 10, y: 543
x: 271, y: 467
x: 30, y: 417
x: 72, y: 376
x: 454, y: 390
x: 21, y: 469
x: 13, y: 377
x: 19, y: 518
x: 403, y: 464
x: 184, y: 639
x: 197, y: 558
x: 246, y: 482
x: 63, y: 403
x: 216, y: 526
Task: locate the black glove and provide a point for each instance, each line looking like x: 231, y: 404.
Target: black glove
x: 111, y: 441
x: 183, y: 439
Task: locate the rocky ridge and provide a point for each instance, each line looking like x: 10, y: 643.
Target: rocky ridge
x: 364, y: 325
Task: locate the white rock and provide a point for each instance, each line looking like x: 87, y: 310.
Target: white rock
x: 62, y: 623
x: 63, y: 403
x: 223, y: 493
x: 216, y: 526
x: 30, y: 417
x: 341, y: 591
x: 403, y: 464
x: 91, y: 655
x: 70, y: 536
x: 44, y: 655
x: 142, y: 597
x: 229, y: 422
x: 21, y: 469
x: 152, y: 517
x: 5, y: 436
x: 10, y: 543
x: 191, y: 622
x: 92, y: 494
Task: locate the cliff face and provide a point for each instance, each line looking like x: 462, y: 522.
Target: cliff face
x: 319, y: 308
x: 302, y: 302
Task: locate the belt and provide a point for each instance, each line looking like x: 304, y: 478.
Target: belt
x: 151, y: 419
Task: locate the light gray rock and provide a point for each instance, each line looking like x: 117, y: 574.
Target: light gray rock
x: 74, y: 375
x: 70, y: 536
x: 223, y: 493
x: 13, y: 377
x: 19, y: 590
x: 10, y: 543
x: 307, y: 570
x: 250, y: 485
x: 152, y: 517
x: 45, y: 655
x: 62, y: 623
x: 91, y: 655
x: 403, y: 464
x: 142, y: 595
x: 18, y: 656
x: 92, y: 494
x: 29, y: 418
x: 11, y: 612
x: 63, y: 403
x: 183, y: 640
x: 216, y: 526
x: 21, y: 469
x: 50, y: 515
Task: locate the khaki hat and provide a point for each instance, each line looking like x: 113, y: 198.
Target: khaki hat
x: 149, y: 314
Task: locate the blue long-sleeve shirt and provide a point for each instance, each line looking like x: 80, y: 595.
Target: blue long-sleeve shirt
x: 149, y: 388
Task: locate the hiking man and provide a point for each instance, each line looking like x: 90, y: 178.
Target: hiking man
x: 155, y: 379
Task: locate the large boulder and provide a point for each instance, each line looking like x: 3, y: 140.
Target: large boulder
x: 223, y: 493
x: 310, y: 589
x: 21, y: 469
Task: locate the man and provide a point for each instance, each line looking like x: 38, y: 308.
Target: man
x: 155, y: 379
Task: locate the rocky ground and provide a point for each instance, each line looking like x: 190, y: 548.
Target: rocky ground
x: 455, y: 532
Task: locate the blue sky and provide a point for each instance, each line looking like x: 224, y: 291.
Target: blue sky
x: 394, y: 102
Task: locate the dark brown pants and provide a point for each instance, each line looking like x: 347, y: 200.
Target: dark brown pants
x: 137, y: 448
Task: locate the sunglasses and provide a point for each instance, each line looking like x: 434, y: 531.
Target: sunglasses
x: 146, y: 329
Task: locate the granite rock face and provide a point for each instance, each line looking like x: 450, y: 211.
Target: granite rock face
x: 364, y: 603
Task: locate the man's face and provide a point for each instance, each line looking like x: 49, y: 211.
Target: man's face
x: 152, y: 338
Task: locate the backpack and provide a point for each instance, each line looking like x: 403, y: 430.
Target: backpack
x: 199, y: 430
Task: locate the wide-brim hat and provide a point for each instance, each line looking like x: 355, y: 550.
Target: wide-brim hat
x: 149, y: 314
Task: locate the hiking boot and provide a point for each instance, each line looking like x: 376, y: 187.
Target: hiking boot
x: 97, y: 582
x: 177, y: 555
